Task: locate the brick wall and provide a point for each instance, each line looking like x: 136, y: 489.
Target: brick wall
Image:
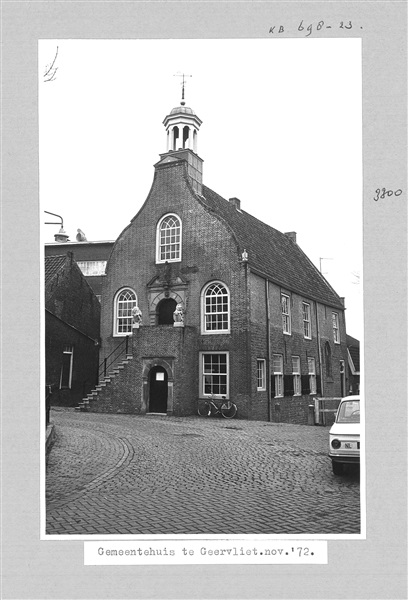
x: 291, y: 409
x: 58, y: 335
x: 84, y: 251
x: 72, y: 319
x: 70, y: 298
x: 173, y: 348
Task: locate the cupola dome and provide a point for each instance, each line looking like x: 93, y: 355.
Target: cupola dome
x: 182, y: 125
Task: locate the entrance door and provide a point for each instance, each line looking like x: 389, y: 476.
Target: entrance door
x: 158, y: 390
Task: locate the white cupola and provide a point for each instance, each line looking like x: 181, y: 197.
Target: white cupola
x: 182, y: 125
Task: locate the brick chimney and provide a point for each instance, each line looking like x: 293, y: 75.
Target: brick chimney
x: 236, y: 202
x: 291, y: 235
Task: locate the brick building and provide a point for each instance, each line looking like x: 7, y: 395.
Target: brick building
x: 259, y: 324
x: 72, y: 318
x: 91, y: 257
x: 353, y: 354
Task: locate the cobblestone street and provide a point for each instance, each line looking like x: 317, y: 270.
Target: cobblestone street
x: 127, y: 474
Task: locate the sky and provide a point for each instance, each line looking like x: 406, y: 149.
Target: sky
x: 281, y: 131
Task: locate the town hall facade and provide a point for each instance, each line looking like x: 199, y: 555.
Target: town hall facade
x: 202, y: 299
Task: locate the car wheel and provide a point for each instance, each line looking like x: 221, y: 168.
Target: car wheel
x: 337, y: 468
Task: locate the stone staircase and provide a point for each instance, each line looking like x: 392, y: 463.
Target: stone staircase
x: 102, y: 389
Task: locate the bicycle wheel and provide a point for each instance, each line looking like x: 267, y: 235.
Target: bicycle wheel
x: 228, y: 410
x: 204, y: 408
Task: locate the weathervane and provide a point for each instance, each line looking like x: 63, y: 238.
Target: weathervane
x: 183, y: 75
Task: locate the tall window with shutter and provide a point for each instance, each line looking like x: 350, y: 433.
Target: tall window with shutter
x: 311, y: 362
x: 277, y: 375
x: 297, y: 385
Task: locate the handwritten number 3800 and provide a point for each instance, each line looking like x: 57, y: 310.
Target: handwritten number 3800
x: 383, y: 193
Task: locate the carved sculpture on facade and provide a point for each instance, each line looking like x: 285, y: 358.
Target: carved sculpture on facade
x: 137, y: 317
x: 178, y: 316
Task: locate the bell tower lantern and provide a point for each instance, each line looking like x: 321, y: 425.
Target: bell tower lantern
x: 182, y: 126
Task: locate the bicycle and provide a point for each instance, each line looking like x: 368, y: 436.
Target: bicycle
x: 208, y: 407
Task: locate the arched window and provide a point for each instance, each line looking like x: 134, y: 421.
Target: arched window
x: 215, y: 308
x: 328, y: 360
x: 169, y: 239
x: 125, y: 300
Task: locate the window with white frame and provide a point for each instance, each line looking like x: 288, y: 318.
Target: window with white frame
x: 215, y: 308
x: 297, y: 384
x: 307, y: 326
x: 214, y: 374
x: 336, y: 330
x: 311, y: 363
x: 125, y: 300
x: 92, y: 268
x: 278, y: 374
x: 260, y: 374
x: 169, y: 239
x: 286, y: 317
x: 66, y: 367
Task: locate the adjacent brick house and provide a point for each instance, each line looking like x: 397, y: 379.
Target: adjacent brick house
x: 72, y: 318
x: 91, y: 257
x: 259, y: 325
x: 353, y: 354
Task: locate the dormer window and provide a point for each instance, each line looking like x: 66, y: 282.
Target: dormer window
x: 169, y: 239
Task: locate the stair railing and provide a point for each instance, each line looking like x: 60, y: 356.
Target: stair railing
x: 113, y: 357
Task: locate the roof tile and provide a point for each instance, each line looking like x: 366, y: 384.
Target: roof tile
x: 273, y: 253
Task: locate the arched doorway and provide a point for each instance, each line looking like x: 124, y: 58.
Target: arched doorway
x: 165, y: 310
x: 158, y: 390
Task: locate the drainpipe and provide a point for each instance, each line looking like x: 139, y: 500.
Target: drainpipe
x: 248, y: 336
x: 320, y: 365
x: 268, y: 349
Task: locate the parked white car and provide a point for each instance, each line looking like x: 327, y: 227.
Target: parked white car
x: 344, y: 435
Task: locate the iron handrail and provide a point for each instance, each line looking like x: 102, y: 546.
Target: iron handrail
x: 118, y: 351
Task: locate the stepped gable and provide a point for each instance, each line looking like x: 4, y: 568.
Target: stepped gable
x: 273, y: 253
x: 52, y: 265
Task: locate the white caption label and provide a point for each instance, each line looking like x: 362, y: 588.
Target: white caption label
x: 210, y: 552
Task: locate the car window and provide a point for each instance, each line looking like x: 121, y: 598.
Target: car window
x: 349, y: 412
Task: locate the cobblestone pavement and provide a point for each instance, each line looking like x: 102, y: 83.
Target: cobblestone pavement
x: 128, y: 474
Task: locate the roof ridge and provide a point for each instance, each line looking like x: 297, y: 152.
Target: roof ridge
x: 273, y: 253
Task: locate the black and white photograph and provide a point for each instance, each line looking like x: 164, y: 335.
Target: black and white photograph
x: 203, y: 304
x: 204, y: 277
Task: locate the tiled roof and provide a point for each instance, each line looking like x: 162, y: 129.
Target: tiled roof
x: 273, y: 253
x: 53, y: 264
